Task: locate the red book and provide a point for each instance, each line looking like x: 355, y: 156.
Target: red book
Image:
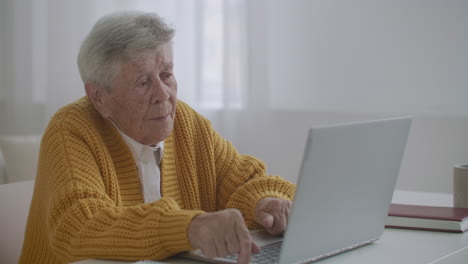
x: 434, y: 218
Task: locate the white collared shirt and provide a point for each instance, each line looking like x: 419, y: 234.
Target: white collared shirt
x: 147, y: 160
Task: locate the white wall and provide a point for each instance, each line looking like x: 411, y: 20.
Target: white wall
x: 315, y: 62
x: 435, y: 143
x: 369, y: 55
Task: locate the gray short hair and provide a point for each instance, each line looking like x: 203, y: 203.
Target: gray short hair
x: 119, y: 37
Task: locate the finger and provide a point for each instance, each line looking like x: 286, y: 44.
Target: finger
x: 284, y: 222
x: 209, y: 250
x: 245, y: 251
x: 232, y: 242
x: 221, y: 249
x: 288, y: 210
x: 280, y: 221
x: 266, y: 220
x: 228, y: 243
x: 255, y: 248
x: 245, y: 244
x: 220, y: 244
x: 277, y: 224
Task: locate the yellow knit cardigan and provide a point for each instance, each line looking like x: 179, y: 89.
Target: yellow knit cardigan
x: 88, y: 201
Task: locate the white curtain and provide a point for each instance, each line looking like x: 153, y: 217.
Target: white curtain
x: 40, y: 39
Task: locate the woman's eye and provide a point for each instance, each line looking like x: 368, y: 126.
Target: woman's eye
x: 142, y: 84
x: 166, y: 76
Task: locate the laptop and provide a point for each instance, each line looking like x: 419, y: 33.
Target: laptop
x: 344, y: 190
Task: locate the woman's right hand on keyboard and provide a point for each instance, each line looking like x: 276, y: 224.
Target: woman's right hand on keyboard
x: 222, y: 233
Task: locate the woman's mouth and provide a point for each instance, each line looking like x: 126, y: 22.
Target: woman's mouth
x: 162, y: 118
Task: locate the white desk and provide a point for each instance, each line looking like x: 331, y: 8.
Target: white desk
x: 396, y: 245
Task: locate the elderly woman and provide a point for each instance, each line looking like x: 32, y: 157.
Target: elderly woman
x: 130, y: 173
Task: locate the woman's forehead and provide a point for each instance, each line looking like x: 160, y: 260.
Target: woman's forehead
x: 160, y: 57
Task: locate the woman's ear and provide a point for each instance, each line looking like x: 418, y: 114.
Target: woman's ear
x: 96, y: 95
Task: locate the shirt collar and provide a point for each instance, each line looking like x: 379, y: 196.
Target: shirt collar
x: 136, y: 147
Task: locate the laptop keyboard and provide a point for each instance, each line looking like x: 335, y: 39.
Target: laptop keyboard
x: 269, y: 254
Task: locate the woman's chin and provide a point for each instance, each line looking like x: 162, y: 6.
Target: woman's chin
x: 159, y: 133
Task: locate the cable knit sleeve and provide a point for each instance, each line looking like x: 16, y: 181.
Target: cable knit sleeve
x: 243, y: 181
x: 85, y: 217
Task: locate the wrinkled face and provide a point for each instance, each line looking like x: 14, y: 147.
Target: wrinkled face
x: 143, y: 97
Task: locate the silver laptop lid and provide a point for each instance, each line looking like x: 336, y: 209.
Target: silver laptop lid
x: 345, y: 187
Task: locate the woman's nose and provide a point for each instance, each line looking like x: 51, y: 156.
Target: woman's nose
x: 159, y: 92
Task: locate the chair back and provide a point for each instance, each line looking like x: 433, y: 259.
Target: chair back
x: 15, y: 199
